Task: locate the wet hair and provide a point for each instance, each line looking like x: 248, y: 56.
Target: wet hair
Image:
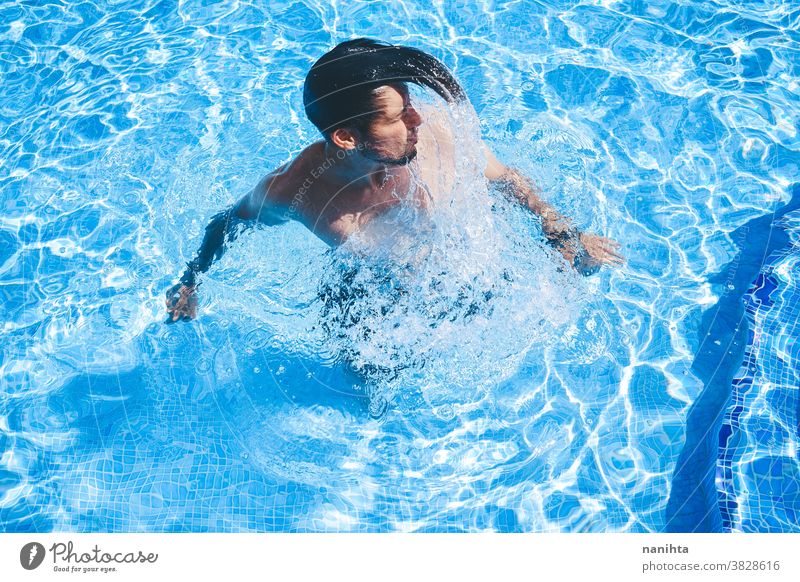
x: 340, y: 87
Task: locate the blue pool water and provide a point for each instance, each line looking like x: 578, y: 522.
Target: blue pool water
x: 659, y: 396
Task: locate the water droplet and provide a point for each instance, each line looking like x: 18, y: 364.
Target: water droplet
x: 378, y: 406
x: 203, y: 366
x: 257, y: 338
x: 446, y: 412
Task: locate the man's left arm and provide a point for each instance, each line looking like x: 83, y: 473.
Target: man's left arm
x: 586, y: 252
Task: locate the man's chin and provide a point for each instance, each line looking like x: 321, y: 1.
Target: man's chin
x: 403, y: 161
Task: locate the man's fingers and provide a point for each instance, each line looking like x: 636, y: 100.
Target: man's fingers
x: 610, y: 241
x: 608, y: 257
x: 611, y: 251
x: 181, y: 303
x: 610, y: 245
x: 607, y: 243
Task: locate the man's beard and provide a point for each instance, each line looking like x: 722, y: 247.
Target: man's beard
x: 405, y: 160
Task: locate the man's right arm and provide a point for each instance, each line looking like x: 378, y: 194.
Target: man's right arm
x: 586, y: 252
x: 256, y: 207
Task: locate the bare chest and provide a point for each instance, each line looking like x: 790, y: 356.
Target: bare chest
x: 335, y: 218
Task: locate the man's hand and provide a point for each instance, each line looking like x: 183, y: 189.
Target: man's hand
x: 602, y: 250
x: 181, y: 302
x: 586, y: 252
x: 594, y: 252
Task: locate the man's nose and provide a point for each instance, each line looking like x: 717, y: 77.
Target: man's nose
x: 413, y: 119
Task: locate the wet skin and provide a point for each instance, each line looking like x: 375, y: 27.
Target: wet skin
x: 336, y: 187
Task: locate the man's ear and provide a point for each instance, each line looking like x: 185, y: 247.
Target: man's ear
x: 344, y: 138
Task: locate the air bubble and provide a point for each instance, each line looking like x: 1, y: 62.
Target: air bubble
x: 257, y: 338
x: 170, y: 339
x: 446, y: 412
x: 203, y: 366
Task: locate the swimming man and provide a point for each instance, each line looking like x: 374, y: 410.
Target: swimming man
x: 375, y: 145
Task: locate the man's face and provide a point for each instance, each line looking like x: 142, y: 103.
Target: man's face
x: 392, y: 134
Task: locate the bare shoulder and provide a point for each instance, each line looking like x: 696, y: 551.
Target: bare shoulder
x: 437, y: 123
x: 436, y: 152
x: 279, y: 190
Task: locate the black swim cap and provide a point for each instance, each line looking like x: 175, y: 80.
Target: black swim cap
x: 340, y: 86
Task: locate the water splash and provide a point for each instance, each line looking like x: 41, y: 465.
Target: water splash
x: 448, y: 300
